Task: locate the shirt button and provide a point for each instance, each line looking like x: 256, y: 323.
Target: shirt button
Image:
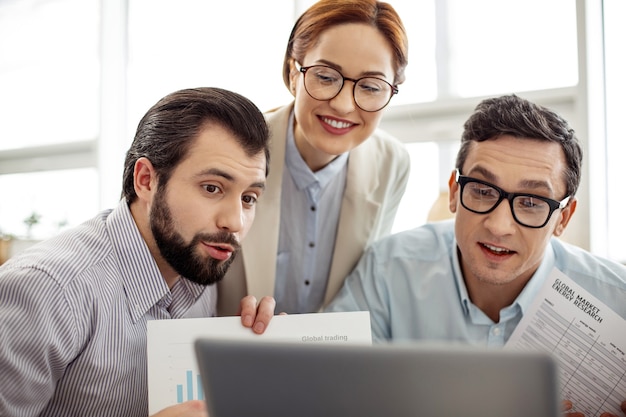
x: 307, y: 282
x: 311, y: 244
x: 496, y: 331
x: 312, y: 208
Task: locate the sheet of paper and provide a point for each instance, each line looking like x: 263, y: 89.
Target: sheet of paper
x: 587, y: 338
x: 172, y: 369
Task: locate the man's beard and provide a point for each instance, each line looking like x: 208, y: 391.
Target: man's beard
x: 182, y: 256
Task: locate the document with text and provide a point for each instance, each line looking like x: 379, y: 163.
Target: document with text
x: 173, y: 375
x: 586, y: 337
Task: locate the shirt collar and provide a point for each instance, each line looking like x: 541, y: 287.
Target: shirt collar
x: 184, y: 294
x: 143, y: 282
x: 532, y: 288
x: 302, y: 175
x: 458, y: 278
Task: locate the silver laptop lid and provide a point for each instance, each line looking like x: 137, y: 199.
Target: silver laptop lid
x: 246, y: 378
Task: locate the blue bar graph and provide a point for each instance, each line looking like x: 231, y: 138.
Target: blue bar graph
x: 187, y: 391
x: 200, y: 391
x: 179, y: 393
x: 189, y: 385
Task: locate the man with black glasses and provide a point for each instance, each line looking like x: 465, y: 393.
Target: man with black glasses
x: 471, y: 279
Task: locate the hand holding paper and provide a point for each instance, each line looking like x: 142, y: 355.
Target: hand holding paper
x: 587, y: 338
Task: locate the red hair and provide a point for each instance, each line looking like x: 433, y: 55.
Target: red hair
x: 329, y: 13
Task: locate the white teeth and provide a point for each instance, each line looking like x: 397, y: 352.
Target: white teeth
x: 496, y: 249
x: 336, y: 124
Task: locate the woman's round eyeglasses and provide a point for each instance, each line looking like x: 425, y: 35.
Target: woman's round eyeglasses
x: 324, y: 83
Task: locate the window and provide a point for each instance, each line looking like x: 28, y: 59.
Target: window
x: 49, y: 71
x: 615, y: 32
x: 72, y: 191
x: 61, y: 105
x: 422, y: 192
x: 499, y: 47
x: 192, y: 43
x: 49, y: 79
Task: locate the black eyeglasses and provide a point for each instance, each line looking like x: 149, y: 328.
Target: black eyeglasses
x: 325, y: 83
x: 529, y: 210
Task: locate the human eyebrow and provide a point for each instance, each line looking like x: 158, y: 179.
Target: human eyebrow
x: 535, y: 184
x: 328, y: 64
x: 216, y: 172
x: 228, y: 177
x: 484, y: 172
x: 523, y: 184
x: 260, y: 185
x: 376, y: 74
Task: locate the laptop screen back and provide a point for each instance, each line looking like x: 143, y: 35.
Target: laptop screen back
x: 244, y: 378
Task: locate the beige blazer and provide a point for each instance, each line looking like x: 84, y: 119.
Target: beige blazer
x: 378, y: 171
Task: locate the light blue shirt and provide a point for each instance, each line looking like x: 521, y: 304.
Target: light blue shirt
x: 309, y: 214
x: 73, y: 317
x: 411, y: 283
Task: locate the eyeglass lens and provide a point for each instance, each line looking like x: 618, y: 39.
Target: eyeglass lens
x: 527, y: 210
x: 324, y: 83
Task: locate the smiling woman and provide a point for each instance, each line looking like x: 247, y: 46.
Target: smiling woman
x: 336, y: 179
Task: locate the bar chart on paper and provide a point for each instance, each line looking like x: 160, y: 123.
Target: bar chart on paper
x: 177, y: 373
x: 173, y: 375
x: 191, y: 388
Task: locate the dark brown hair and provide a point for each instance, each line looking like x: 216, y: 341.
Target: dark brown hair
x: 171, y: 126
x: 512, y: 115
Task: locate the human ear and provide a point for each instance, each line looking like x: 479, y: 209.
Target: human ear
x: 564, y: 217
x: 293, y: 76
x: 144, y: 178
x: 453, y: 187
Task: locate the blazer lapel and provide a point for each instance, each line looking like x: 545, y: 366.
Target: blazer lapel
x: 356, y: 218
x: 261, y: 244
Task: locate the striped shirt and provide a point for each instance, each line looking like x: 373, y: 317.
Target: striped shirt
x: 73, y: 314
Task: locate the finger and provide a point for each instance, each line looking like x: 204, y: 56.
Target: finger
x: 623, y: 407
x: 264, y: 314
x: 193, y: 408
x: 247, y: 310
x: 566, y: 405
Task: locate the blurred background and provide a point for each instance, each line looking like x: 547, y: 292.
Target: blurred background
x: 77, y: 75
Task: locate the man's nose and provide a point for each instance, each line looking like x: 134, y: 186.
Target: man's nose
x: 501, y: 221
x: 230, y: 216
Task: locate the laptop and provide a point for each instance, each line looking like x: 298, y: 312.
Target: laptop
x: 285, y: 379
